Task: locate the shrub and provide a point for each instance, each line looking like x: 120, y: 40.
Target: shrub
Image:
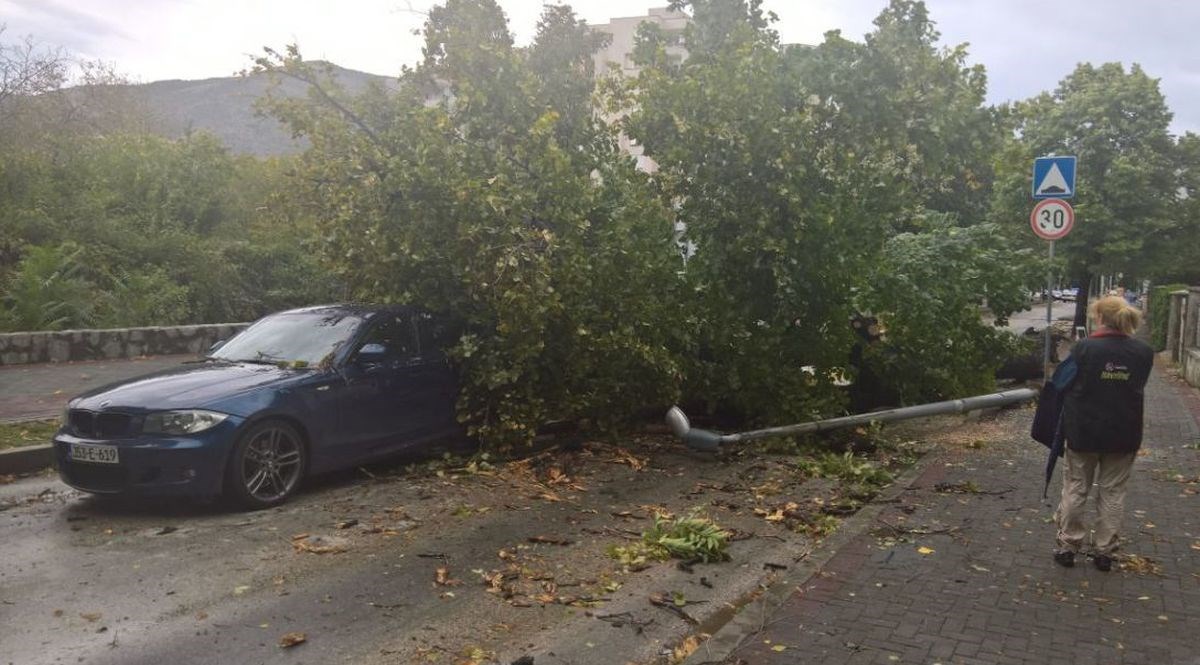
x: 47, y: 291
x: 1160, y: 310
x: 846, y: 468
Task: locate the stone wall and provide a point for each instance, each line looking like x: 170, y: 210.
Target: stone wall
x: 65, y: 345
x: 1183, y: 333
x: 1190, y: 367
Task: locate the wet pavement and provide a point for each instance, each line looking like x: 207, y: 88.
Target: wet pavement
x: 960, y: 570
x: 98, y: 581
x: 30, y: 392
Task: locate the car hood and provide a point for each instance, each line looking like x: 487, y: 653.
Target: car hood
x: 189, y: 386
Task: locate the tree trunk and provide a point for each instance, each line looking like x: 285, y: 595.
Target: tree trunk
x: 1081, y: 299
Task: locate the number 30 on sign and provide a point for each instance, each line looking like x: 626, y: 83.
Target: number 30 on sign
x: 1052, y: 219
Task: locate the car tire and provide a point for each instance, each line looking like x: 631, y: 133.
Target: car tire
x: 268, y: 463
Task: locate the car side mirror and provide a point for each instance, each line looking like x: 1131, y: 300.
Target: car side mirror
x: 371, y: 354
x: 216, y: 345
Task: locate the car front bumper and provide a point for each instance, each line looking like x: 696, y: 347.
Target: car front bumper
x: 191, y: 465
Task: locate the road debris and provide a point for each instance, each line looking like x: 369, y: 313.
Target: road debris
x: 441, y: 577
x: 319, y: 544
x: 674, y: 606
x: 290, y: 640
x: 623, y: 456
x: 1140, y: 565
x: 547, y: 540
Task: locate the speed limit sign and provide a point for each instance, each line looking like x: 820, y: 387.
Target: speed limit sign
x: 1052, y: 219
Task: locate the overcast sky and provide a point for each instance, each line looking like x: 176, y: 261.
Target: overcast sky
x: 1026, y: 45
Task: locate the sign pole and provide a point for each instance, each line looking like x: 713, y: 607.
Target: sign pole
x: 1052, y: 219
x: 1049, y: 308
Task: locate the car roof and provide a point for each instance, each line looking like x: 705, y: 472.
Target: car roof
x: 348, y: 309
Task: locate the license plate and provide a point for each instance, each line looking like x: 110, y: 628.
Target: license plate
x: 95, y: 454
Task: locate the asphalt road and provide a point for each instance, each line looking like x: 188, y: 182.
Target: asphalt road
x: 41, y: 391
x: 1036, y: 317
x: 97, y: 581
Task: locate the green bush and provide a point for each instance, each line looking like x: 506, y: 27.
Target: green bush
x: 47, y: 291
x: 927, y: 292
x: 1160, y: 310
x: 147, y: 298
x: 846, y: 468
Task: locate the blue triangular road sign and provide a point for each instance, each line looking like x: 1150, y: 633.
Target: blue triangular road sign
x: 1054, y: 177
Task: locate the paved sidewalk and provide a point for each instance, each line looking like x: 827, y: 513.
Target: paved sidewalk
x: 41, y: 391
x: 960, y: 570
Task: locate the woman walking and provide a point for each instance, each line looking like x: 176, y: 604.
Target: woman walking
x: 1102, y: 422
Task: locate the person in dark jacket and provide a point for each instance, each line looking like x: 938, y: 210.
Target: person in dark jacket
x: 1102, y: 423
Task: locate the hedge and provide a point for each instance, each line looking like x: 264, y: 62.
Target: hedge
x: 1160, y: 310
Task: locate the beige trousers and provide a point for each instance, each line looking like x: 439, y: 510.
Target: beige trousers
x: 1109, y: 472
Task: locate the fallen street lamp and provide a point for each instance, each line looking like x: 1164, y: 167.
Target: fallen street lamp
x: 706, y: 441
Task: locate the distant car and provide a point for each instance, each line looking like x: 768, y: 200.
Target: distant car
x: 297, y: 393
x: 1065, y: 294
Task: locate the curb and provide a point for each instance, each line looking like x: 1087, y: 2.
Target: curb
x: 748, y: 619
x: 26, y: 459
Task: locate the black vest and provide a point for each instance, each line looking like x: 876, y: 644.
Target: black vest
x: 1103, y: 407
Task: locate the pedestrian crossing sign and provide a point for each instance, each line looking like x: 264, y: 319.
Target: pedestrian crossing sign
x: 1054, y: 177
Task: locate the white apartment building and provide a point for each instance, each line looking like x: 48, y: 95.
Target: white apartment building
x: 618, y: 53
x: 622, y: 32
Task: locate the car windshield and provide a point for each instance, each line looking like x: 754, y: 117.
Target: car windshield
x: 298, y: 339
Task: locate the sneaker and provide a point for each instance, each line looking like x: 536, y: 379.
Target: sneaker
x: 1065, y: 558
x: 1103, y: 562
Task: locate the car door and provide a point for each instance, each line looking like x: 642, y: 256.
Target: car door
x: 379, y: 404
x: 435, y: 334
x: 422, y: 389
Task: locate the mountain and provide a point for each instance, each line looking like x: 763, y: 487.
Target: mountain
x: 224, y: 107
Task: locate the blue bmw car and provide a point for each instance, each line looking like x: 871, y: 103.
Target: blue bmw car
x: 297, y: 393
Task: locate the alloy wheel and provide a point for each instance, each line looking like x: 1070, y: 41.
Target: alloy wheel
x: 271, y: 465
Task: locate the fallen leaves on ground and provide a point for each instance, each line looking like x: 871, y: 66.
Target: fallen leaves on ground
x: 475, y: 656
x: 442, y: 577
x: 547, y: 540
x: 687, y: 647
x: 556, y: 477
x: 91, y: 617
x: 319, y: 544
x: 292, y: 639
x: 810, y: 518
x: 925, y: 550
x: 965, y: 487
x: 674, y: 604
x: 1140, y: 565
x: 780, y: 513
x: 625, y: 457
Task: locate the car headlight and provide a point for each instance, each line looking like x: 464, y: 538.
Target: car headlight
x: 181, y: 422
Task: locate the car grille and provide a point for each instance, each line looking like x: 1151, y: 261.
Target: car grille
x: 99, y: 425
x: 95, y: 477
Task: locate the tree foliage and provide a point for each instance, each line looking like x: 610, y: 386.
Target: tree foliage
x: 792, y: 188
x: 486, y: 188
x: 1116, y: 122
x: 789, y: 167
x: 915, y: 103
x: 1175, y: 251
x: 928, y: 289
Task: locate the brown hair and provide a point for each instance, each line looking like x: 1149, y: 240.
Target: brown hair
x: 1114, y: 312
